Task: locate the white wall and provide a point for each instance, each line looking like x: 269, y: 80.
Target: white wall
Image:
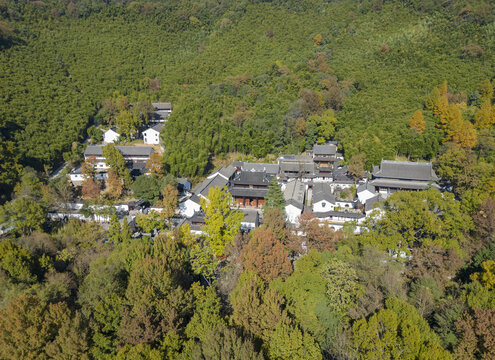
x: 323, y: 206
x: 293, y: 214
x: 151, y: 137
x: 110, y: 136
x: 188, y: 208
x: 365, y: 195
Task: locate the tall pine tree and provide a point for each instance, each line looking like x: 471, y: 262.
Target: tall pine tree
x: 274, y: 199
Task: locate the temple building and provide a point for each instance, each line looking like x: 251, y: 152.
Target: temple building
x: 392, y: 176
x: 249, y: 189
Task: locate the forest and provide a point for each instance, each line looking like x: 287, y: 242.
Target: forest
x: 243, y: 76
x: 387, y: 79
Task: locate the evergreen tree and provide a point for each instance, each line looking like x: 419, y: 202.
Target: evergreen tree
x: 114, y: 230
x: 274, y: 199
x: 125, y: 231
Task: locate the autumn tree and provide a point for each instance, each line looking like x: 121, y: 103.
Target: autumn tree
x: 485, y: 116
x: 417, y: 122
x: 114, y: 185
x: 117, y: 163
x: 476, y: 330
x: 266, y: 256
x: 487, y: 276
x: 221, y: 222
x: 169, y: 202
x: 29, y: 326
x: 316, y: 236
x: 88, y: 167
x: 273, y: 219
x: 90, y: 189
x: 437, y: 103
x: 356, y: 166
x: 318, y: 39
x: 485, y: 219
x: 155, y: 165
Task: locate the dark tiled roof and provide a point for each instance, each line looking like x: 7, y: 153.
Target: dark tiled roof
x: 245, y: 192
x: 162, y: 105
x: 204, y: 187
x: 157, y: 127
x: 195, y: 198
x: 366, y: 186
x: 252, y: 178
x: 322, y: 191
x: 251, y: 216
x: 403, y: 184
x: 349, y: 215
x: 271, y: 169
x: 227, y: 171
x: 327, y: 149
x: 97, y: 150
x: 294, y: 193
x: 406, y: 170
x: 371, y: 202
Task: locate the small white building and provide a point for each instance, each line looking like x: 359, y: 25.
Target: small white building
x: 161, y: 112
x: 151, y: 136
x: 190, y: 206
x: 365, y: 192
x: 294, y: 195
x: 251, y: 219
x: 337, y: 219
x: 323, y: 199
x: 77, y: 178
x: 133, y: 155
x: 110, y: 136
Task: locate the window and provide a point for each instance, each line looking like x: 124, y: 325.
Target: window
x: 323, y: 204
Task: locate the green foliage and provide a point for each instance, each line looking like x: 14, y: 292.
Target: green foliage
x: 397, y: 332
x: 274, y: 198
x: 305, y: 292
x: 146, y: 188
x: 24, y: 214
x: 150, y: 222
x: 414, y: 219
x: 19, y: 263
x: 203, y: 262
x: 95, y: 134
x: 342, y: 285
x: 290, y: 343
x: 207, y: 314
x: 223, y: 343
